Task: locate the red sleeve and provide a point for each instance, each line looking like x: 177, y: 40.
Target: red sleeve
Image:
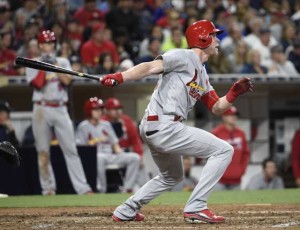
x: 246, y: 154
x: 296, y: 155
x: 209, y: 99
x: 134, y: 137
x: 86, y: 56
x: 40, y: 80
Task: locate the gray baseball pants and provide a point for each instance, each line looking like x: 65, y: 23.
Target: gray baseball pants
x: 172, y: 141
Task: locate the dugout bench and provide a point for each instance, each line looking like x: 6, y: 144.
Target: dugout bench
x: 25, y: 179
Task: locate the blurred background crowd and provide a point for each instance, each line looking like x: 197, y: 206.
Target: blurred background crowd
x: 261, y: 37
x: 101, y: 37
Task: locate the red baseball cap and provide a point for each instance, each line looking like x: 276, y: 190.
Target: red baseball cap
x: 113, y: 103
x: 98, y: 26
x: 231, y: 111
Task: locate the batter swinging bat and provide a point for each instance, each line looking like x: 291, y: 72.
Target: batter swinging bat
x: 34, y: 64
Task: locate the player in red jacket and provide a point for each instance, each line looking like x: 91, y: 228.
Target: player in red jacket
x: 232, y: 134
x: 126, y: 131
x: 296, y: 157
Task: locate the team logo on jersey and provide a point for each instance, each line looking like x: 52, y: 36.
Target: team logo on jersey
x: 195, y: 87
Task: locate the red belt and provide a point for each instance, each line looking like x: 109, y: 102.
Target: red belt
x: 51, y: 103
x: 156, y: 118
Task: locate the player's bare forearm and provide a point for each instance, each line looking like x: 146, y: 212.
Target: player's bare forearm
x: 143, y: 70
x: 221, y: 106
x: 117, y: 149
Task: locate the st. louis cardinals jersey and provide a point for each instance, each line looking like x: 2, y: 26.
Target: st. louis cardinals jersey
x: 102, y: 135
x: 54, y: 90
x: 182, y: 83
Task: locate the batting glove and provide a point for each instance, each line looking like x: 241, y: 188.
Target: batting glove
x: 112, y: 80
x: 238, y: 88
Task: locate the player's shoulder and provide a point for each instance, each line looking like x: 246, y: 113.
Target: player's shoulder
x: 62, y: 60
x: 105, y: 123
x: 83, y: 124
x: 179, y: 52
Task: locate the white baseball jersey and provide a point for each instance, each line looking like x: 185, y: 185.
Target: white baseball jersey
x: 101, y: 135
x: 183, y: 82
x: 54, y: 90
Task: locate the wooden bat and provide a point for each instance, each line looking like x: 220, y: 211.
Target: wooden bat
x: 34, y: 64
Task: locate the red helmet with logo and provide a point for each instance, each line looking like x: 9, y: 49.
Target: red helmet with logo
x: 92, y: 103
x: 113, y: 103
x: 46, y: 36
x: 198, y: 35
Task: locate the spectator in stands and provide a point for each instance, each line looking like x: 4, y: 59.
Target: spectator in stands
x: 126, y: 48
x: 235, y: 35
x: 231, y: 133
x: 268, y: 179
x: 219, y: 64
x: 156, y: 32
x: 238, y: 58
x: 7, y: 55
x: 256, y: 27
x: 141, y: 8
x: 123, y: 17
x: 24, y: 13
x: 154, y: 48
x: 263, y: 46
x: 7, y: 131
x: 98, y: 133
x: 176, y: 40
x: 74, y: 34
x: 253, y: 65
x: 106, y: 64
x: 5, y: 16
x: 65, y: 50
x: 296, y: 157
x: 294, y: 55
x: 280, y: 66
x: 126, y: 131
x: 86, y: 12
x: 91, y: 50
x: 189, y: 182
x: 76, y: 64
x: 288, y: 35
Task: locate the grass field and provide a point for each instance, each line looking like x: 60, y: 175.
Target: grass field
x: 242, y: 210
x: 287, y: 196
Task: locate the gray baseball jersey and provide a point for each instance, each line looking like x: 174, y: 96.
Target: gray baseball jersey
x: 53, y: 90
x: 182, y: 83
x: 45, y: 117
x: 104, y: 137
x: 101, y: 135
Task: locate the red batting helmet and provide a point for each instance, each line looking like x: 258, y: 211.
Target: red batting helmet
x: 92, y: 103
x: 198, y: 35
x: 46, y: 36
x: 113, y: 103
x: 231, y: 111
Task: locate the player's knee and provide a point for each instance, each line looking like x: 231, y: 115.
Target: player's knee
x: 229, y: 150
x: 43, y: 159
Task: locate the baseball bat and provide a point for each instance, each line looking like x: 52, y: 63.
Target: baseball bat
x: 34, y: 64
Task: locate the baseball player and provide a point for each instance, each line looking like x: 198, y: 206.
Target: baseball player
x: 182, y: 81
x: 92, y: 131
x: 127, y: 133
x: 50, y: 98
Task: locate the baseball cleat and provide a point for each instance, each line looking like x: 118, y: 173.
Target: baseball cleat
x: 203, y: 216
x: 138, y: 217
